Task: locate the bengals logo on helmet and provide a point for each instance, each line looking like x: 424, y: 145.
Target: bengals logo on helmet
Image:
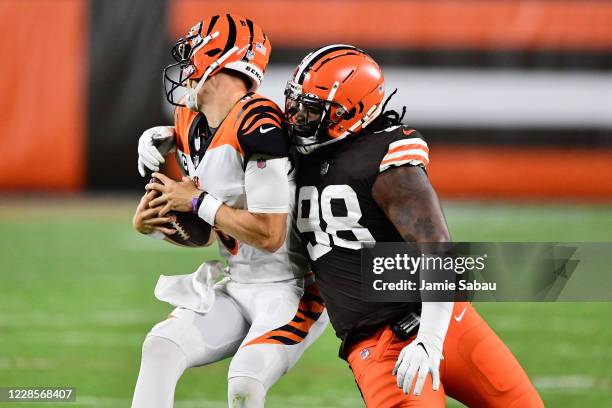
x: 225, y: 41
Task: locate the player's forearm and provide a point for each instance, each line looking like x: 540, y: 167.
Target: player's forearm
x: 264, y: 231
x: 411, y: 204
x: 435, y: 317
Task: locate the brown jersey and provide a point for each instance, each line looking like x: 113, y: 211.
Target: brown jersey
x: 337, y: 215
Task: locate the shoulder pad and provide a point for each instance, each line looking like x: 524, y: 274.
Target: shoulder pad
x: 261, y: 129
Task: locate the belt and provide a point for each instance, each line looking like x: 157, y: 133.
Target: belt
x: 407, y: 326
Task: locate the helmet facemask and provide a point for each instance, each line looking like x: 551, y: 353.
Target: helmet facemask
x: 308, y: 118
x: 182, y: 52
x: 221, y: 42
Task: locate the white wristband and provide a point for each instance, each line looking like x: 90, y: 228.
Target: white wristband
x: 156, y: 235
x: 208, y: 209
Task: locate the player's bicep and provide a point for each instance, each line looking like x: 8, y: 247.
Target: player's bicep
x: 266, y: 183
x: 410, y: 202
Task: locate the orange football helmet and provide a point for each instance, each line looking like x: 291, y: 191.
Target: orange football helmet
x: 226, y: 41
x: 336, y: 91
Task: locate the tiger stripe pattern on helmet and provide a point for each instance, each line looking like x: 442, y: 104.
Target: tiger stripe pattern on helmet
x: 225, y: 41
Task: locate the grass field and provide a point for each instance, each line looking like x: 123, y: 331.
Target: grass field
x: 77, y: 299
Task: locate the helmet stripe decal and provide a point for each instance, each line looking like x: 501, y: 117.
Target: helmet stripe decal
x: 308, y: 58
x: 317, y: 55
x: 250, y: 25
x: 347, y: 77
x: 330, y: 98
x: 246, y: 55
x: 213, y: 21
x: 231, y: 38
x: 333, y: 57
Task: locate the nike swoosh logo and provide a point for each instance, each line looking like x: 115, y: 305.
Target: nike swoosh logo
x: 460, y: 316
x: 262, y: 130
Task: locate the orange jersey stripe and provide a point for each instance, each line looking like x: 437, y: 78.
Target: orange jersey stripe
x: 404, y: 158
x: 408, y: 147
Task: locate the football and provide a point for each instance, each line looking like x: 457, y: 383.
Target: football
x: 191, y: 230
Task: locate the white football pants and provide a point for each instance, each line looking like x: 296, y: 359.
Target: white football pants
x: 265, y: 327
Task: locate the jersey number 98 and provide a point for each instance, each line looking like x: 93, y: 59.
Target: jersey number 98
x: 321, y: 207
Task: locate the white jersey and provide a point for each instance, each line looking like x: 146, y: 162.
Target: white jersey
x: 251, y: 132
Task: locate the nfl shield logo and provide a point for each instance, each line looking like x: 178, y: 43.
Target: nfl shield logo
x: 261, y: 164
x: 260, y: 48
x: 365, y: 353
x: 324, y: 168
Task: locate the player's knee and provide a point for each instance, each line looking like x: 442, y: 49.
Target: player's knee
x: 246, y: 392
x: 162, y: 352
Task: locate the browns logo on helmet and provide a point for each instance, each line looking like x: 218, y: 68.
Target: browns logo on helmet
x: 336, y: 90
x: 221, y: 42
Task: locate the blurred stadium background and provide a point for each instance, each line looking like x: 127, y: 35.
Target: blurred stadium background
x: 515, y: 98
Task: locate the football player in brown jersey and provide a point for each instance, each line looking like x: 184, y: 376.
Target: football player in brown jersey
x: 362, y: 179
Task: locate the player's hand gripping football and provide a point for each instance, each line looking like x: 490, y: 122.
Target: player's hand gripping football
x: 418, y: 359
x: 175, y: 195
x: 147, y: 220
x: 152, y: 146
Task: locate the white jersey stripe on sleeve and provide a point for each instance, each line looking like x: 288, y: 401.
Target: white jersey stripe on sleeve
x: 404, y: 142
x: 412, y: 160
x: 411, y: 150
x: 401, y: 153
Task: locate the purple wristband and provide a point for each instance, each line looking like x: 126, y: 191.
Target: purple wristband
x: 196, y: 202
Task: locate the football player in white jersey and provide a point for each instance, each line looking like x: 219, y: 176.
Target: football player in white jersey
x: 234, y: 149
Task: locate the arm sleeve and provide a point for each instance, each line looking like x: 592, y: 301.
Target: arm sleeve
x: 266, y: 183
x: 262, y: 131
x: 408, y: 149
x: 435, y: 317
